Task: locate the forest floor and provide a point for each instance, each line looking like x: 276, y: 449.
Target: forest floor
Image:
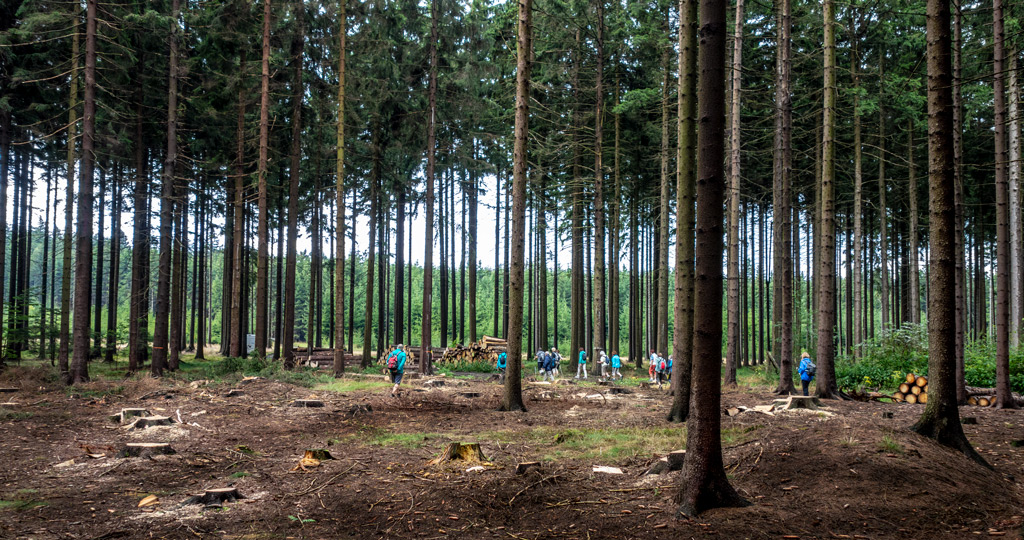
x: 845, y: 472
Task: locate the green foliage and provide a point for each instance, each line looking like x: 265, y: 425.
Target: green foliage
x: 480, y: 366
x: 887, y: 359
x: 259, y: 367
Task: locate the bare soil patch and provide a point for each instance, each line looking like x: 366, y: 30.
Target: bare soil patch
x: 844, y: 472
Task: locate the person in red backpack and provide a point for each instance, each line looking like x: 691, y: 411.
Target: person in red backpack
x: 396, y: 367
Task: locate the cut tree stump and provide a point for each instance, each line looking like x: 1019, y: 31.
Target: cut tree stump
x: 904, y: 388
x: 618, y: 390
x: 318, y: 453
x: 126, y: 415
x: 146, y: 450
x: 8, y: 389
x: 312, y: 403
x: 144, y: 422
x: 911, y: 378
x: 916, y: 390
x: 358, y: 409
x: 470, y: 394
x: 460, y: 452
x: 983, y: 402
x: 672, y: 462
x: 523, y: 468
x: 886, y: 414
x: 215, y: 497
x: 798, y: 402
x: 921, y: 381
x: 911, y: 398
x: 234, y: 393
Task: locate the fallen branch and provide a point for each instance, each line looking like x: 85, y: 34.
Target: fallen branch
x: 325, y: 484
x: 624, y: 490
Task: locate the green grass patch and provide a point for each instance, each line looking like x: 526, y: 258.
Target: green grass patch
x: 370, y: 435
x: 607, y: 443
x: 481, y: 366
x: 20, y: 504
x: 351, y: 385
x: 888, y: 444
x: 239, y: 474
x: 9, y: 415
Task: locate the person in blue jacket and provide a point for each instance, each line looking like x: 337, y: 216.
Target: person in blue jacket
x: 501, y: 367
x: 807, y: 371
x: 668, y: 371
x: 396, y: 368
x: 581, y: 367
x: 616, y: 365
x: 550, y: 364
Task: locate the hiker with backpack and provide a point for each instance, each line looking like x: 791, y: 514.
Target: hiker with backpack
x: 501, y: 367
x: 616, y: 365
x: 550, y: 364
x: 542, y: 357
x: 396, y: 367
x: 659, y: 370
x: 653, y: 365
x: 602, y: 360
x: 807, y: 371
x: 581, y: 366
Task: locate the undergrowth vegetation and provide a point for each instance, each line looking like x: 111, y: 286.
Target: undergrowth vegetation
x: 884, y: 361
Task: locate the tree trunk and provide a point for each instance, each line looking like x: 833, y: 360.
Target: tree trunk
x: 399, y: 264
x: 288, y: 331
x: 960, y: 282
x: 279, y: 280
x: 883, y: 229
x: 858, y: 211
x: 661, y: 323
x: 512, y: 398
x: 578, y: 301
x: 1004, y: 399
x: 474, y: 191
x: 115, y: 268
x: 600, y: 286
x: 201, y: 277
x: 705, y: 484
x: 826, y: 385
x: 264, y: 212
x: 733, y: 204
x: 616, y: 239
x: 69, y: 197
x: 782, y: 200
x: 1014, y: 202
x: 177, y: 312
x: 45, y: 271
x: 914, y: 286
x: 941, y: 417
x: 339, y: 226
x: 97, y: 304
x: 83, y: 255
x: 236, y: 315
x: 374, y: 180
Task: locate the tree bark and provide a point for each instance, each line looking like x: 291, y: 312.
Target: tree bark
x: 883, y: 229
x: 686, y: 125
x: 374, y: 180
x: 733, y: 203
x: 705, y: 484
x: 115, y: 268
x: 236, y: 315
x: 858, y: 197
x: 600, y: 285
x: 914, y: 285
x: 288, y: 331
x: 941, y: 417
x: 512, y: 397
x: 782, y: 200
x: 69, y: 198
x: 661, y: 321
x: 83, y: 255
x: 339, y: 226
x: 1014, y: 201
x: 264, y: 212
x: 826, y: 385
x: 1004, y: 399
x: 960, y: 282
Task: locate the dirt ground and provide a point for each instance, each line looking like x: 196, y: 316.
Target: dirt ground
x: 847, y: 472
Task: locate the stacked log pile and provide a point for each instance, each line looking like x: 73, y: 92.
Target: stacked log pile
x: 914, y: 390
x: 485, y: 350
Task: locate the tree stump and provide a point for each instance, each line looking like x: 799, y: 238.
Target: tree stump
x: 358, y: 409
x: 318, y: 454
x: 470, y: 394
x: 523, y: 468
x: 144, y: 422
x: 619, y: 390
x: 672, y: 462
x: 798, y: 402
x: 215, y: 497
x: 234, y: 393
x: 8, y: 389
x: 460, y: 452
x: 146, y: 450
x: 312, y: 403
x: 127, y: 414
